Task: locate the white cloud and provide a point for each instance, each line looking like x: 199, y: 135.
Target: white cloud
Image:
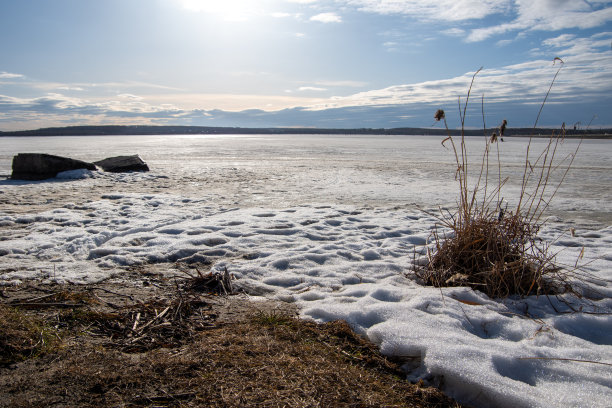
x: 103, y: 87
x: 343, y: 83
x: 311, y: 88
x: 327, y: 18
x: 549, y: 15
x: 585, y: 75
x: 454, y: 32
x: 503, y: 43
x: 71, y: 88
x: 130, y: 97
x: 569, y: 45
x: 516, y: 15
x: 8, y: 75
x: 135, y: 84
x: 449, y: 10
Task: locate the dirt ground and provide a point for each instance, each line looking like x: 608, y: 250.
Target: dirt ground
x: 168, y: 342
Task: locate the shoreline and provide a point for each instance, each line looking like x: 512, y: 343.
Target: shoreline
x: 119, y: 130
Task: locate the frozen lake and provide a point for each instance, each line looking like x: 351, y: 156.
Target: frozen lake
x: 331, y: 223
x: 285, y: 170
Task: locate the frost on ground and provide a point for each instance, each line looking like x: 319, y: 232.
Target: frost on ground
x: 350, y: 263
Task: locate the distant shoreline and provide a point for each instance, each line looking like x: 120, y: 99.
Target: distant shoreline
x: 206, y: 130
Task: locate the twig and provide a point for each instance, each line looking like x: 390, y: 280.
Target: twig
x: 565, y: 359
x: 113, y: 293
x: 114, y: 306
x: 43, y: 305
x: 136, y: 321
x: 159, y: 316
x: 39, y: 298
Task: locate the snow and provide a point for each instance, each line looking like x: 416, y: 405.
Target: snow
x: 336, y: 236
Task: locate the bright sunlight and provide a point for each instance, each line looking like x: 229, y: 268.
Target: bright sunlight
x: 227, y: 10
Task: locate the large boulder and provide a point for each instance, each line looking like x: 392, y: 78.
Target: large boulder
x: 40, y: 166
x: 121, y: 164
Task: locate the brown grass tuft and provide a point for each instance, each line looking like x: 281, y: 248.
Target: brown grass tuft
x: 495, y: 254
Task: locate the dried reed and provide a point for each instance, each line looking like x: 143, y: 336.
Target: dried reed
x: 492, y: 248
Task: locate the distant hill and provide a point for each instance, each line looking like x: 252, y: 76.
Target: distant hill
x: 206, y: 130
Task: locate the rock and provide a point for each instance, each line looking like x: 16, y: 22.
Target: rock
x: 121, y: 164
x: 40, y: 166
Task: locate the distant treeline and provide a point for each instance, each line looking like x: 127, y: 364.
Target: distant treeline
x: 207, y: 130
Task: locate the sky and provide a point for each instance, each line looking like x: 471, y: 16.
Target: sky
x: 304, y: 63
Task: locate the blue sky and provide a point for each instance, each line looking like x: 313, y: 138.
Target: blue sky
x: 310, y: 63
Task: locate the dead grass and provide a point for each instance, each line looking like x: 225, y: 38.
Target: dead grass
x: 500, y: 257
x: 23, y: 336
x: 265, y: 358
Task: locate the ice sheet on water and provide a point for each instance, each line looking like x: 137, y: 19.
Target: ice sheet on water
x: 337, y: 264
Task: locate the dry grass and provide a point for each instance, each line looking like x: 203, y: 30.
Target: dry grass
x: 259, y: 359
x: 499, y: 257
x: 296, y: 364
x: 23, y: 336
x: 487, y: 246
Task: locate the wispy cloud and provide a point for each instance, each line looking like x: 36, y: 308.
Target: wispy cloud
x: 449, y: 10
x: 98, y: 86
x: 549, y: 16
x: 343, y: 83
x: 8, y: 75
x: 587, y: 73
x: 390, y: 45
x: 71, y: 88
x: 570, y: 45
x: 327, y: 18
x: 515, y: 15
x: 130, y: 97
x: 311, y: 88
x: 585, y: 79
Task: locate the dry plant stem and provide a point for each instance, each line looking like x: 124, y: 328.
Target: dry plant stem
x: 527, y: 164
x: 565, y: 359
x: 546, y: 168
x: 485, y: 156
x: 464, y: 155
x: 535, y: 217
x: 462, y: 165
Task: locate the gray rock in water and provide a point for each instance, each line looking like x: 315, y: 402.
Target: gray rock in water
x: 122, y: 164
x: 40, y: 166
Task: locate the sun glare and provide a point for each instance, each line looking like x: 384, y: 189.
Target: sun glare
x: 228, y: 10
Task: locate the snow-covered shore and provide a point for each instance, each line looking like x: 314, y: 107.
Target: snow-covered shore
x: 335, y: 261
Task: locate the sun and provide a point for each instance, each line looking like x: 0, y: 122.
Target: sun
x: 228, y: 10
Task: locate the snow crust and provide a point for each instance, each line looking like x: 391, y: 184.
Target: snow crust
x: 335, y: 261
